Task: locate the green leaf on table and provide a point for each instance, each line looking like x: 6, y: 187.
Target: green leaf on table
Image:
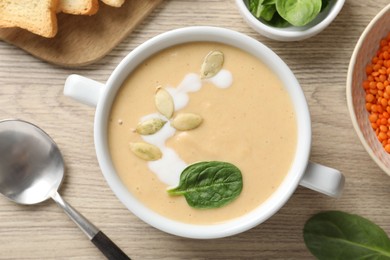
x: 209, y: 184
x: 338, y: 235
x: 298, y: 12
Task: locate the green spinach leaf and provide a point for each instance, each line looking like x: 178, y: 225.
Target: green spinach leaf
x: 209, y: 184
x: 264, y: 9
x: 269, y: 2
x: 298, y: 12
x: 278, y: 21
x: 267, y: 12
x: 325, y: 4
x: 338, y: 235
x: 255, y: 7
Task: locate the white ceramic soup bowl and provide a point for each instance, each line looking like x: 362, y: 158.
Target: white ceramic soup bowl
x: 302, y: 172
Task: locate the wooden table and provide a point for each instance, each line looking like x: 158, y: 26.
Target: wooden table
x: 32, y: 90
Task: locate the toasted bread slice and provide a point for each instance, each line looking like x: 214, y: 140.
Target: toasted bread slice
x: 78, y: 7
x: 37, y: 16
x: 114, y: 3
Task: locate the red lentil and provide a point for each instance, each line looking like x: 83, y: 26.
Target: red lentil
x: 377, y: 88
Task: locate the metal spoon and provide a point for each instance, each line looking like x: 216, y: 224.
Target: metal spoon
x: 31, y: 171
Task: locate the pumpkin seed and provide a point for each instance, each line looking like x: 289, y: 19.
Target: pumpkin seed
x: 164, y: 102
x: 186, y: 121
x: 212, y: 64
x: 145, y: 151
x: 150, y: 126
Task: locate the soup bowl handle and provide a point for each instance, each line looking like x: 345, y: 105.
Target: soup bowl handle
x: 82, y: 89
x: 323, y: 179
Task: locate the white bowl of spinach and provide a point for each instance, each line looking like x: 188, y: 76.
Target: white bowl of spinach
x: 289, y: 20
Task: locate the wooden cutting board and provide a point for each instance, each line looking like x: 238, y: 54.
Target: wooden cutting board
x: 82, y: 40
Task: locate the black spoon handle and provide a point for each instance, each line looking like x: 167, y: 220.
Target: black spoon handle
x: 98, y: 238
x: 107, y: 247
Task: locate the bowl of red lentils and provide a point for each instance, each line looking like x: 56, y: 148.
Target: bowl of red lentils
x: 368, y: 89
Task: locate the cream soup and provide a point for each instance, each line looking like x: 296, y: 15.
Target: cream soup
x: 248, y: 120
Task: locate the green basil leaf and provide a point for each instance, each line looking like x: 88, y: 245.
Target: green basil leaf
x: 298, y: 12
x: 209, y: 184
x: 339, y: 235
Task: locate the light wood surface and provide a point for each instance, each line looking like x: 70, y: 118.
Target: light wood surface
x: 31, y: 89
x: 83, y: 39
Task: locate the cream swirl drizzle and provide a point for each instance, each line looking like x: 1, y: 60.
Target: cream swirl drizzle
x: 170, y: 166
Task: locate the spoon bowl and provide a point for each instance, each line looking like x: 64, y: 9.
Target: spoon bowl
x: 31, y: 165
x: 31, y: 171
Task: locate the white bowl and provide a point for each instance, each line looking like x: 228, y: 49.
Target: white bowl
x: 292, y: 33
x: 301, y: 172
x: 364, y: 51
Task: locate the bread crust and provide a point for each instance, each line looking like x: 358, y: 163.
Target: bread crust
x: 44, y: 22
x: 79, y: 7
x: 114, y: 3
x: 40, y: 16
